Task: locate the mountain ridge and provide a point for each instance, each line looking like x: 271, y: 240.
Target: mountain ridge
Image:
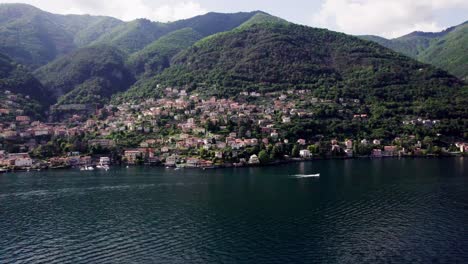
x: 445, y: 49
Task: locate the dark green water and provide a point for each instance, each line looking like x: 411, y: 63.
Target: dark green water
x: 358, y: 211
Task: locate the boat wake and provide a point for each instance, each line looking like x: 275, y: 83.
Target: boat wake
x: 307, y: 175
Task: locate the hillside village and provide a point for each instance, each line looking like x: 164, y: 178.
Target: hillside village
x: 186, y: 130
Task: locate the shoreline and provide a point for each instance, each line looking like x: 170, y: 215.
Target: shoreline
x: 230, y: 166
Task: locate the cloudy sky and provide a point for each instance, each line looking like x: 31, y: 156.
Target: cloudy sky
x: 388, y: 18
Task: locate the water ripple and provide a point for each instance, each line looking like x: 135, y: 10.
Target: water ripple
x: 139, y: 218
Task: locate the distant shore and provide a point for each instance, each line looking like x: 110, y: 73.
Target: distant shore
x: 229, y: 165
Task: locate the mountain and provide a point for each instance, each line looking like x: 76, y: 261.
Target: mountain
x: 276, y: 57
x: 134, y: 36
x: 156, y: 57
x: 213, y: 23
x: 17, y: 79
x: 445, y: 49
x: 450, y: 52
x: 95, y: 30
x: 33, y: 37
x: 88, y: 75
x: 85, y: 60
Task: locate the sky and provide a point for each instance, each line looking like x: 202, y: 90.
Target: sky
x: 387, y: 18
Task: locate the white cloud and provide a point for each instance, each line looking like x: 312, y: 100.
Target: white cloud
x: 179, y: 11
x: 160, y: 10
x: 389, y: 18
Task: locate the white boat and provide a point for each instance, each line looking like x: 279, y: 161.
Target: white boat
x: 90, y: 168
x: 103, y: 167
x: 307, y: 175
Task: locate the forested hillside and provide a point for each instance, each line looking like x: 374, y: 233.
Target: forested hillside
x: 450, y: 52
x: 17, y: 79
x: 446, y: 49
x: 91, y: 74
x: 33, y: 37
x: 157, y: 56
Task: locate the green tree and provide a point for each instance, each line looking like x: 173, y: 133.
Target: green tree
x: 295, y: 151
x: 263, y: 157
x: 276, y: 153
x: 314, y: 149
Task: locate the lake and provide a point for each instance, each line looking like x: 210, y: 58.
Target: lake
x: 357, y: 211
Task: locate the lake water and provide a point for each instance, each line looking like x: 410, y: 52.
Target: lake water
x: 358, y: 211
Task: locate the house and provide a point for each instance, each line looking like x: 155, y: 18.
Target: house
x: 164, y: 149
x: 254, y: 159
x: 206, y: 163
x: 219, y: 154
x: 104, y: 161
x: 104, y: 143
x: 132, y: 156
x: 23, y: 119
x: 192, y: 162
x: 86, y: 160
x: 349, y: 144
x: 41, y: 132
x: 390, y: 151
x: 73, y: 161
x: 57, y: 161
x: 301, y: 142
x: 376, y: 153
x: 463, y: 147
x: 221, y: 145
x: 171, y: 161
x: 9, y: 134
x: 305, y: 153
x: 20, y: 159
x: 376, y: 142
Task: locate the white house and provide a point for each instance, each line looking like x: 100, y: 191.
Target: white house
x: 103, y: 161
x: 286, y: 119
x: 254, y: 159
x: 23, y: 162
x: 305, y: 153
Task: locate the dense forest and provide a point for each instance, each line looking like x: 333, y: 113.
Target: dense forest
x: 157, y: 56
x: 446, y: 50
x: 91, y: 74
x: 17, y: 79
